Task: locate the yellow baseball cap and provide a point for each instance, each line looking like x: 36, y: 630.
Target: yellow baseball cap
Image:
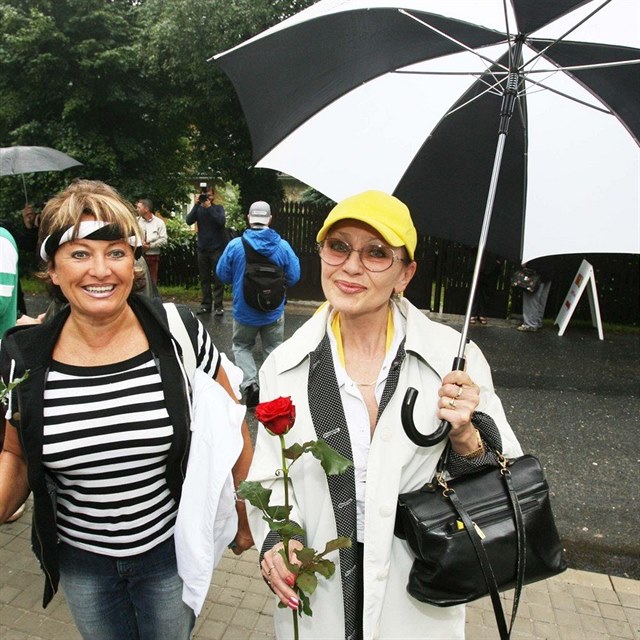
x: 385, y: 213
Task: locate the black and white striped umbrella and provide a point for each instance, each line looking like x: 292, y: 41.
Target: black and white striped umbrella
x: 416, y: 98
x: 406, y: 96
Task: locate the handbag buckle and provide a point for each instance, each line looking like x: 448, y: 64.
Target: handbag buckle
x: 504, y: 463
x: 446, y: 491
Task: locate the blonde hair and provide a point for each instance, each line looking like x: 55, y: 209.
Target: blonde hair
x: 88, y: 197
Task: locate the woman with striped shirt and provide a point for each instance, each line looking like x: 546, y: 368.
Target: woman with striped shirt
x: 101, y: 433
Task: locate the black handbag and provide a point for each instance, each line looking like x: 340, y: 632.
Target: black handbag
x: 479, y: 533
x: 526, y: 279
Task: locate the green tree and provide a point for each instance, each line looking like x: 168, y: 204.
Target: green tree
x: 124, y: 87
x: 72, y: 80
x: 181, y: 36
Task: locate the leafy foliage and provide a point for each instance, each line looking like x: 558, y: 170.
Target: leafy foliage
x: 124, y: 87
x: 5, y: 390
x: 312, y: 196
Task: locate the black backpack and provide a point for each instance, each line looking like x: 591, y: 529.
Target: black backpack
x: 264, y: 286
x: 229, y: 234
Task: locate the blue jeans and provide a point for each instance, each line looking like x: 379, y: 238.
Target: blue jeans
x: 133, y: 598
x: 244, y: 340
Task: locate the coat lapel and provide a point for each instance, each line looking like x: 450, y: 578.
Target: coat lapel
x: 330, y: 424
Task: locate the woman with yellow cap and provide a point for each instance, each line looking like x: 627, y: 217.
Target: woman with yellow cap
x: 347, y: 370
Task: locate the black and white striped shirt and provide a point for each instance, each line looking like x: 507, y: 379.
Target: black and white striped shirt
x: 107, y: 434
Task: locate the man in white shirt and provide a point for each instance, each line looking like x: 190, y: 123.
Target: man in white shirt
x: 154, y: 234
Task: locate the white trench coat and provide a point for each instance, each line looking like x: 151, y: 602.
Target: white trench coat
x: 395, y: 465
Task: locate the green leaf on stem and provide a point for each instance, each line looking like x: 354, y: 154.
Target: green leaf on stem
x: 277, y: 512
x: 307, y: 582
x: 255, y: 493
x: 287, y: 529
x: 341, y: 542
x: 332, y: 462
x: 306, y: 604
x: 6, y: 389
x: 325, y: 568
x: 305, y: 555
x: 294, y: 451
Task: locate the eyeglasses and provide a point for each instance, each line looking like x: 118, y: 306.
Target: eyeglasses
x: 374, y: 257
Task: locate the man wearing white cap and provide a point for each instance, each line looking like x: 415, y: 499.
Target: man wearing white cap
x: 249, y: 321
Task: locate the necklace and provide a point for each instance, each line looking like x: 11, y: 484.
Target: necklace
x: 365, y: 384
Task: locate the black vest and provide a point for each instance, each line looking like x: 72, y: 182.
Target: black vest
x: 28, y: 349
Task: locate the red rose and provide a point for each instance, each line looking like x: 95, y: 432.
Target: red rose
x: 277, y: 415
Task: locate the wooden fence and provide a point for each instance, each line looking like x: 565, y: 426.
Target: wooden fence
x: 444, y: 273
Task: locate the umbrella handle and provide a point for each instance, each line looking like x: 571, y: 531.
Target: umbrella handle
x: 406, y: 417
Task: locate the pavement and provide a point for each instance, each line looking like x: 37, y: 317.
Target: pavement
x: 574, y: 401
x: 576, y: 605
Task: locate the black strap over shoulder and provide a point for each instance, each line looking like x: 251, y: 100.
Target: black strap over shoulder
x: 253, y: 256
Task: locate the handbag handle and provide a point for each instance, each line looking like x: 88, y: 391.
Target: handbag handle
x: 473, y: 531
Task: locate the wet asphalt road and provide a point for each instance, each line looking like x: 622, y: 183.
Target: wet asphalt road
x: 574, y: 401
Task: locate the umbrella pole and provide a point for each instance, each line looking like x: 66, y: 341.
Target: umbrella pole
x: 24, y: 186
x: 481, y: 247
x: 506, y: 111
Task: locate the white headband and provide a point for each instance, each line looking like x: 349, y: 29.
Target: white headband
x: 91, y: 229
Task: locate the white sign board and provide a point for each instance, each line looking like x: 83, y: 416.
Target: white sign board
x: 585, y: 279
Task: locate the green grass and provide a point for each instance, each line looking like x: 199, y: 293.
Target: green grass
x: 181, y: 294
x: 33, y: 286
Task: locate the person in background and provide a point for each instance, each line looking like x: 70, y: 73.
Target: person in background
x: 26, y: 239
x: 8, y: 307
x: 154, y: 236
x: 211, y: 220
x: 535, y: 302
x: 8, y: 280
x: 486, y: 287
x: 248, y: 322
x: 99, y: 430
x: 347, y: 370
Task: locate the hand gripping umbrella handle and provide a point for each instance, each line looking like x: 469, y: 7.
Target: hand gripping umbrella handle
x: 406, y: 413
x: 406, y: 416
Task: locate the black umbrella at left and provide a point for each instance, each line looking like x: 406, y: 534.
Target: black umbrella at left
x: 19, y: 160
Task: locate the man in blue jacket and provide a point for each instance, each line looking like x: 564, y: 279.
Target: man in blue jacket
x: 211, y: 240
x: 248, y: 322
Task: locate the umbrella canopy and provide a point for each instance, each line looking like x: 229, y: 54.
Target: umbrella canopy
x: 406, y: 96
x: 19, y: 160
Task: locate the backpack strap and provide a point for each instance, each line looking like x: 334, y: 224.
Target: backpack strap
x: 254, y: 256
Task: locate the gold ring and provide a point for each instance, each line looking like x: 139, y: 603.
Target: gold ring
x: 459, y: 392
x: 270, y: 570
x: 452, y: 403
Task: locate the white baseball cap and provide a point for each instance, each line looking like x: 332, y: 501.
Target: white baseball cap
x: 259, y: 213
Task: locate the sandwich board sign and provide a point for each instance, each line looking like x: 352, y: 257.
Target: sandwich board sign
x: 585, y: 279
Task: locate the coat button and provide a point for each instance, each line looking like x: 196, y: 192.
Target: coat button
x: 386, y: 435
x: 16, y: 416
x: 383, y: 575
x: 386, y: 511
